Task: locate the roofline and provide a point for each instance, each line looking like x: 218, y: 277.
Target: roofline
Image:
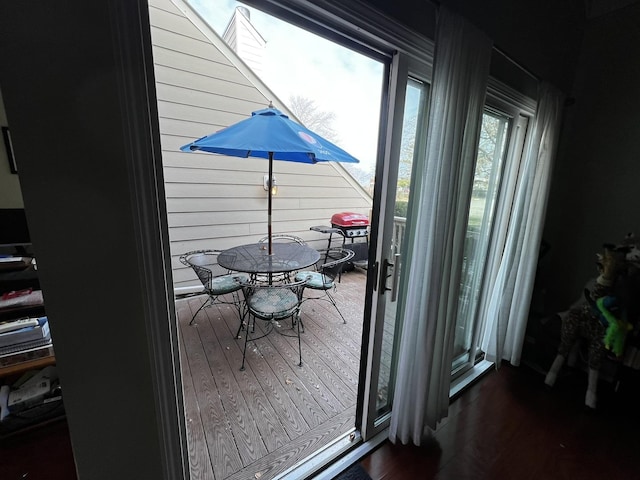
x: 254, y: 30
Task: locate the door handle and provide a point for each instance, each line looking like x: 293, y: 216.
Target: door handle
x: 384, y: 274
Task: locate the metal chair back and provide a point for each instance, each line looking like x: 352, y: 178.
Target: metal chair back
x: 272, y: 304
x: 332, y: 262
x: 282, y: 238
x: 329, y: 267
x: 216, y: 280
x: 278, y: 238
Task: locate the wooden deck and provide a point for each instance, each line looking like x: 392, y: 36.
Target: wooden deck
x: 259, y: 422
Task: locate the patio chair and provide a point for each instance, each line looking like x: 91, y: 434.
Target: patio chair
x: 272, y: 305
x: 282, y: 238
x: 279, y: 238
x: 217, y: 281
x: 328, y: 269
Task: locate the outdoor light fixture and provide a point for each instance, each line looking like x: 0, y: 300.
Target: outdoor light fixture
x: 273, y: 185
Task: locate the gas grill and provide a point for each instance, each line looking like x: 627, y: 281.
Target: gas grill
x: 351, y: 225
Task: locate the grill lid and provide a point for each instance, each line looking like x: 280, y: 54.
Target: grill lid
x: 349, y: 219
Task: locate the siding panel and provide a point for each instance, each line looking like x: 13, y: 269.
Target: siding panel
x: 175, y: 23
x: 189, y: 45
x: 170, y: 58
x: 288, y: 217
x: 215, y: 201
x: 183, y: 174
x: 207, y: 84
x: 239, y: 106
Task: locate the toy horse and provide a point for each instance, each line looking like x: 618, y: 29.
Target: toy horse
x: 590, y: 321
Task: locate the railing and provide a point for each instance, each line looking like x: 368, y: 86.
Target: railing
x: 399, y: 226
x: 470, y: 279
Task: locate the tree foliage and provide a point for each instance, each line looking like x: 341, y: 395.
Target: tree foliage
x: 312, y: 117
x: 487, y: 153
x: 321, y: 122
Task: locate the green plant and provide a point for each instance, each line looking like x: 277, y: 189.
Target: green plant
x: 401, y: 208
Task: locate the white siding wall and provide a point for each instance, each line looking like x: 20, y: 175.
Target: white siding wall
x: 216, y: 201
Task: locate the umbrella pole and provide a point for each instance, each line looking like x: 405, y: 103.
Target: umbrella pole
x: 270, y: 200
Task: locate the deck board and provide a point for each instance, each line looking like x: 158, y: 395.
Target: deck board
x: 283, y: 362
x: 198, y: 452
x: 303, y: 446
x: 220, y: 441
x: 288, y: 415
x: 270, y: 429
x: 265, y: 419
x: 217, y: 378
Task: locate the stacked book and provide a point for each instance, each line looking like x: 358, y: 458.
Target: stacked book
x: 23, y: 334
x: 10, y: 262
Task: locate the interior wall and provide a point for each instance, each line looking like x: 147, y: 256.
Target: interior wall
x: 542, y: 35
x: 594, y: 194
x: 62, y: 89
x: 10, y: 193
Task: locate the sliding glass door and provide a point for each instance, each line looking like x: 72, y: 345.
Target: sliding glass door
x: 413, y: 129
x: 500, y: 149
x: 486, y: 183
x: 404, y: 144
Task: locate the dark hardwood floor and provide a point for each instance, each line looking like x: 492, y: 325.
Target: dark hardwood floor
x: 509, y: 426
x: 42, y: 453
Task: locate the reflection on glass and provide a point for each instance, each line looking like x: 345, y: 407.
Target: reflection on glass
x: 414, y: 112
x: 486, y: 181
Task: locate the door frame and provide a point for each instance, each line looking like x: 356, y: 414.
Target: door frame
x: 94, y: 199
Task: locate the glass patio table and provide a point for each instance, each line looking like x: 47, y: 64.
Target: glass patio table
x: 255, y: 259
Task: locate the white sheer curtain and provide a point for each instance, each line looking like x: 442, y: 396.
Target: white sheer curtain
x: 507, y: 308
x: 437, y: 223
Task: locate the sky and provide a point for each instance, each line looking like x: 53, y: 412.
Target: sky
x: 297, y: 62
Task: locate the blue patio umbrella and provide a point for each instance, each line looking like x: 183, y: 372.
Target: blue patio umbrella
x: 272, y: 135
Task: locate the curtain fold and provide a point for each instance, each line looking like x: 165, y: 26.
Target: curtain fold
x: 436, y: 227
x: 507, y: 310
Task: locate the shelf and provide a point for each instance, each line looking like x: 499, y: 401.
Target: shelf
x: 17, y: 365
x: 34, y: 358
x: 12, y: 367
